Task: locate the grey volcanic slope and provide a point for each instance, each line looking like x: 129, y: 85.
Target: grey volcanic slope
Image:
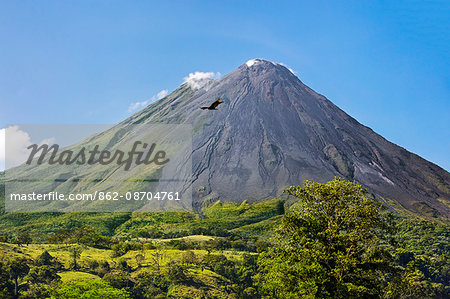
x: 272, y: 131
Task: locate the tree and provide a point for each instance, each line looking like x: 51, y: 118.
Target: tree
x: 17, y: 268
x: 150, y: 286
x: 43, y: 274
x: 140, y: 259
x: 38, y: 290
x: 6, y: 286
x: 219, y: 264
x: 46, y: 259
x: 177, y: 272
x: 86, y: 235
x: 75, y: 253
x: 62, y: 236
x: 248, y: 268
x: 23, y: 238
x: 328, y: 246
x: 157, y: 256
x: 3, y: 237
x: 189, y: 258
x: 101, y: 268
x: 123, y: 265
x: 118, y: 279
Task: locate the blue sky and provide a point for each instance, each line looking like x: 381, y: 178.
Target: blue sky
x: 386, y: 63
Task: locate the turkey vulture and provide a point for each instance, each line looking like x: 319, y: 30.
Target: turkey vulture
x: 213, y: 105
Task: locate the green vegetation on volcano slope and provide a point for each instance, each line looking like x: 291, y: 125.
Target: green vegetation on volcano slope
x: 186, y: 255
x: 218, y: 219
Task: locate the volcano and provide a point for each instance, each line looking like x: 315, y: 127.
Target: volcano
x: 272, y: 131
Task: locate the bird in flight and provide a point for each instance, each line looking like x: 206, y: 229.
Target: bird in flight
x: 213, y: 105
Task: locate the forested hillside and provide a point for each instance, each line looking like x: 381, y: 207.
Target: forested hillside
x: 221, y: 253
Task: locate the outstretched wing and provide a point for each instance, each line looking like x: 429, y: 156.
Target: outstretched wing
x: 215, y: 104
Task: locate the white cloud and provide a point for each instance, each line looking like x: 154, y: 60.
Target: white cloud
x: 257, y: 61
x: 138, y: 105
x: 162, y: 94
x: 253, y: 62
x: 16, y: 149
x: 2, y: 149
x: 15, y: 152
x: 200, y: 79
x: 291, y: 70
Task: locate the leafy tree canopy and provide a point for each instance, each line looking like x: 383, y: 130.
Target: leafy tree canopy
x: 328, y: 245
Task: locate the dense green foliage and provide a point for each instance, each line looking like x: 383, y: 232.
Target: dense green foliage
x: 333, y: 241
x: 337, y: 242
x: 329, y: 245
